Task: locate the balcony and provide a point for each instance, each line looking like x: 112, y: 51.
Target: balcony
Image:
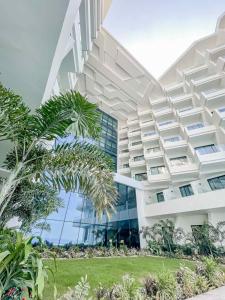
x: 140, y: 177
x: 159, y: 180
x: 212, y: 159
x: 135, y: 145
x: 162, y: 111
x: 183, y: 171
x: 124, y: 169
x: 149, y: 136
x: 213, y: 98
x: 175, y: 89
x: 192, y: 133
x: 137, y: 161
x: 152, y: 153
x: 219, y: 117
x: 209, y: 82
x: 123, y: 130
x: 147, y: 123
x: 189, y: 111
x: 162, y: 126
x: 175, y: 204
x: 123, y: 141
x: 124, y: 154
x: 180, y: 98
x: 215, y: 53
x: 195, y: 72
x: 134, y: 133
x: 132, y: 122
x: 144, y: 112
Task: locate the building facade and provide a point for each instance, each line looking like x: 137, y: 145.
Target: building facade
x: 168, y: 143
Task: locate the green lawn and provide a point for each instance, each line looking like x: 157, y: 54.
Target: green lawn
x: 106, y: 270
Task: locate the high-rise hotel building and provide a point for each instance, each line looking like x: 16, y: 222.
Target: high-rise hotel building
x: 166, y: 136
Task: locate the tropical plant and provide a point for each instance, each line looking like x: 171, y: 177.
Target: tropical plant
x: 31, y: 202
x: 71, y: 166
x: 167, y: 286
x: 80, y: 291
x: 163, y: 233
x: 204, y: 238
x: 21, y: 265
x: 210, y: 269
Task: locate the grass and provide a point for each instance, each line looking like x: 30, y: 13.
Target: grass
x: 106, y: 270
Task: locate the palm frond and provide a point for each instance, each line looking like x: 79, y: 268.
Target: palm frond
x: 14, y: 115
x: 63, y: 114
x: 84, y: 167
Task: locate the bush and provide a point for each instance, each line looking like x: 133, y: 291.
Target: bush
x: 167, y: 286
x: 21, y: 266
x: 211, y: 270
x: 150, y: 286
x: 80, y: 291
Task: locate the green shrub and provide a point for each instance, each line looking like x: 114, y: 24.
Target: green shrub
x: 167, y: 287
x: 80, y: 291
x: 21, y: 265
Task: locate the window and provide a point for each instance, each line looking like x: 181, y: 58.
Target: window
x: 178, y: 161
x: 136, y: 143
x: 160, y: 197
x: 157, y: 170
x: 206, y: 149
x: 173, y: 139
x: 138, y: 158
x: 186, y: 190
x: 154, y: 149
x: 149, y: 133
x: 222, y: 109
x: 185, y: 109
x: 165, y: 123
x: 125, y: 165
x: 195, y: 126
x: 217, y: 183
x: 141, y: 176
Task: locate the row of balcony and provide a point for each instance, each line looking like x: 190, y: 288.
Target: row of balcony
x: 206, y: 159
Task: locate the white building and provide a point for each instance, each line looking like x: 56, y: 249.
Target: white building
x: 171, y: 134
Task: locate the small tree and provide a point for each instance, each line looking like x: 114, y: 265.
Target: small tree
x: 164, y: 234
x: 78, y: 165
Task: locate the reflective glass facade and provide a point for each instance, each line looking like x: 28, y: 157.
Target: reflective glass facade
x: 77, y: 223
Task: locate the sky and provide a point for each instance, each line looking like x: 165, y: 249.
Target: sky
x: 157, y: 32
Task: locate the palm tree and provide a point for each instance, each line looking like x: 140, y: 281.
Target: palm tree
x: 78, y: 165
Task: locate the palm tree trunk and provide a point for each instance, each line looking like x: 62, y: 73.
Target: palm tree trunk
x: 8, y: 186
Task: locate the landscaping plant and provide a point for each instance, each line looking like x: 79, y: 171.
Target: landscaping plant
x: 21, y: 267
x: 77, y: 165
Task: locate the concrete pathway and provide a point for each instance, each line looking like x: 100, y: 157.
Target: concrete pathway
x: 217, y: 294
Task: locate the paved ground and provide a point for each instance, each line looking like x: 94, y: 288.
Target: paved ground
x: 217, y: 294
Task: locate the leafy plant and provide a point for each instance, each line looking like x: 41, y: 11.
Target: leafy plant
x: 78, y: 165
x: 79, y: 292
x: 150, y: 286
x: 30, y: 202
x: 167, y: 286
x: 21, y: 265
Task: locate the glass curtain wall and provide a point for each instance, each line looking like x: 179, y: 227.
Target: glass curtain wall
x: 76, y: 223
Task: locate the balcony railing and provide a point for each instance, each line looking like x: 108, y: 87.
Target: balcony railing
x: 136, y: 143
x: 153, y: 150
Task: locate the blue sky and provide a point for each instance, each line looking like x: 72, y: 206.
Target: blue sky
x: 156, y: 32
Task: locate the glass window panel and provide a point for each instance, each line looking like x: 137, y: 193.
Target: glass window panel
x: 206, y: 149
x: 160, y: 197
x: 53, y: 235
x: 186, y: 190
x: 61, y: 213
x: 131, y: 197
x: 75, y: 207
x: 217, y: 183
x: 71, y: 233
